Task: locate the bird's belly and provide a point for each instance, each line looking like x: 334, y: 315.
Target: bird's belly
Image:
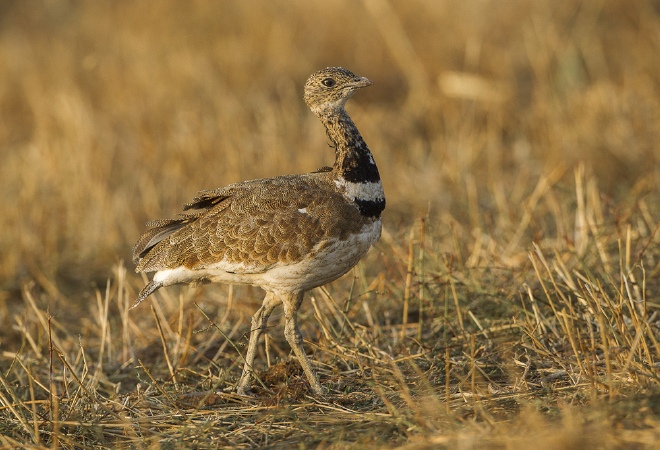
x: 328, y: 264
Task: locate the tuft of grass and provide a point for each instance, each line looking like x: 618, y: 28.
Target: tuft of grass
x: 512, y: 300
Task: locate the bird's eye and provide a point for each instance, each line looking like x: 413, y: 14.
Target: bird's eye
x: 328, y: 82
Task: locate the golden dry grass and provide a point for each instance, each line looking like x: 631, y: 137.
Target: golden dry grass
x: 513, y: 300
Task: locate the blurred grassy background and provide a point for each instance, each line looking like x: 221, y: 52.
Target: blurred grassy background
x: 118, y: 112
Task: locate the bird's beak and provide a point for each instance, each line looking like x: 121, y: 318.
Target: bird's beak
x: 361, y: 82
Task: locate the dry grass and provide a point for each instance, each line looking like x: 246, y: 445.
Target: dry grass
x: 512, y: 301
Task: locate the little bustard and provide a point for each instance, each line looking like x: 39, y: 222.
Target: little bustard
x: 286, y: 234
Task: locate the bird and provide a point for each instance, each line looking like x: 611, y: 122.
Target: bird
x: 287, y: 234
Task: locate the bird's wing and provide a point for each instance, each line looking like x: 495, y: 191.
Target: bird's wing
x: 249, y: 227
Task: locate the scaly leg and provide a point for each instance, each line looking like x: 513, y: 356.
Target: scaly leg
x: 293, y: 336
x: 259, y: 323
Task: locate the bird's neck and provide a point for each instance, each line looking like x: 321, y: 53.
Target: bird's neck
x: 353, y: 160
x: 354, y: 172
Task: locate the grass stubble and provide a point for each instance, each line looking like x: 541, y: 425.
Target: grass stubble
x: 512, y: 300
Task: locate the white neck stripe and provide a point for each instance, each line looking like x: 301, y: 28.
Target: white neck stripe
x: 366, y: 191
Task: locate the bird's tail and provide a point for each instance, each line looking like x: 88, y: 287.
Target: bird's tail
x: 149, y: 289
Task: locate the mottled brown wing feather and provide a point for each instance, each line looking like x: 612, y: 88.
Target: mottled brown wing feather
x: 154, y: 235
x: 160, y: 230
x: 256, y: 224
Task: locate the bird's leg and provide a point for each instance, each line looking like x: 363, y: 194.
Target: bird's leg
x: 259, y: 323
x: 294, y: 337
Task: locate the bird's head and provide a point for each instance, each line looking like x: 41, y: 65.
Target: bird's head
x: 328, y: 89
